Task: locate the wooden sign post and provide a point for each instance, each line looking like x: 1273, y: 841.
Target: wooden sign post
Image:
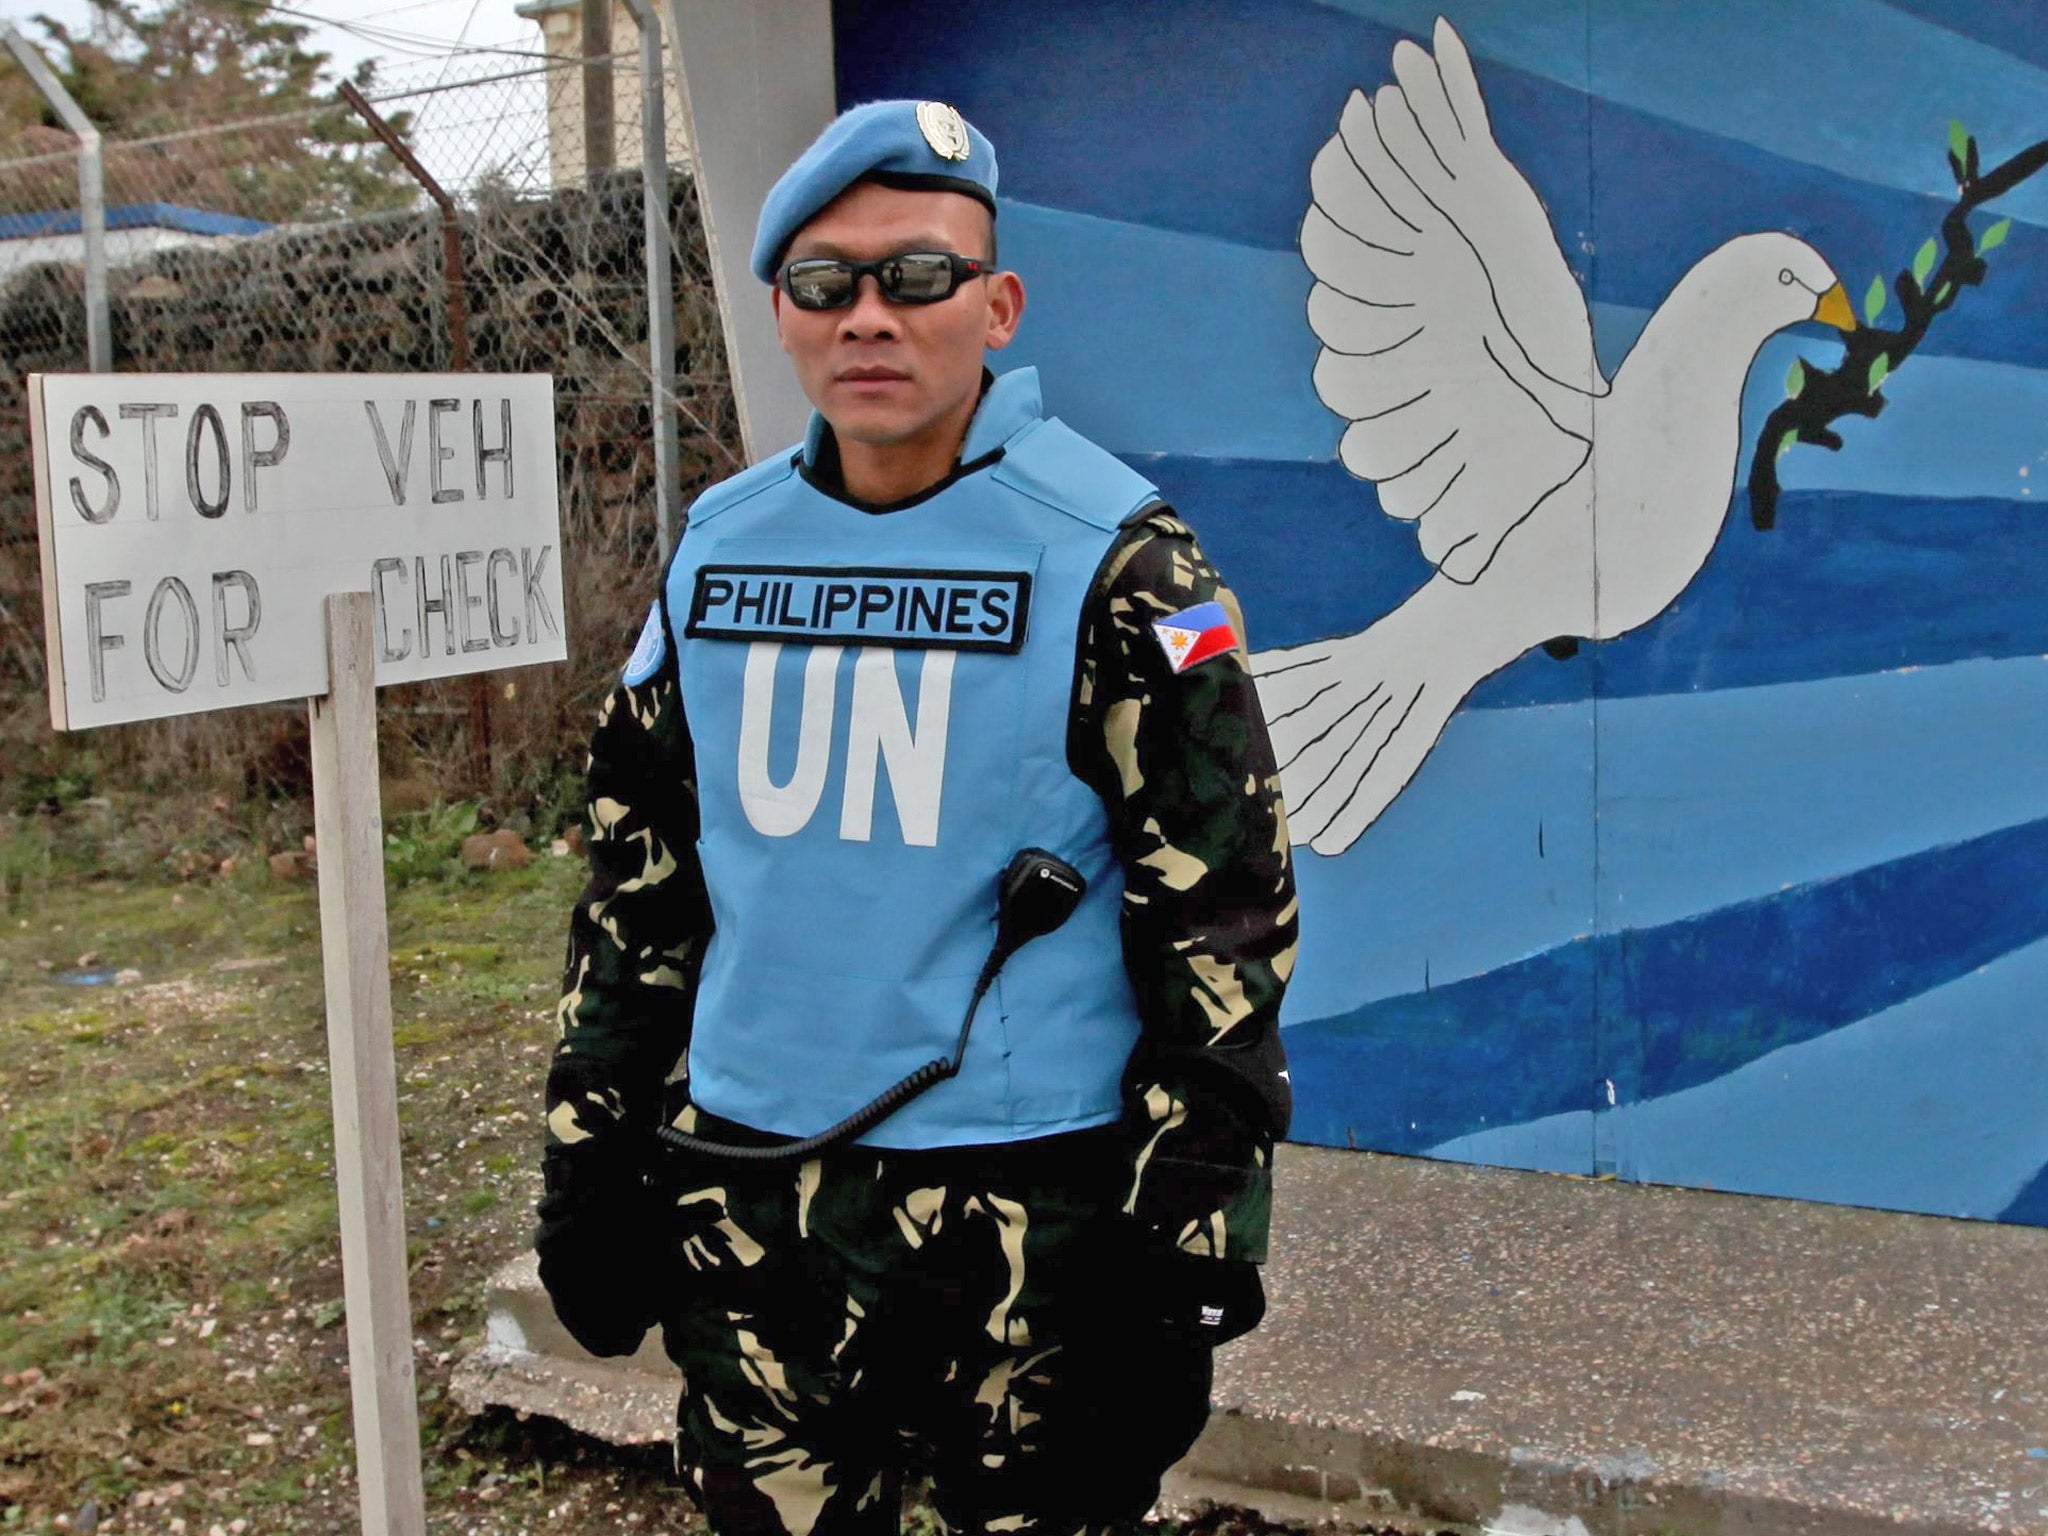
x: 211, y: 540
x: 355, y: 948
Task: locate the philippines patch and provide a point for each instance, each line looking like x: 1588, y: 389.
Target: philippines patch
x: 649, y: 651
x: 862, y: 605
x: 1194, y: 635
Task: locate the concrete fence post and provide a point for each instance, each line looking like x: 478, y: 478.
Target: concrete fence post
x: 661, y: 305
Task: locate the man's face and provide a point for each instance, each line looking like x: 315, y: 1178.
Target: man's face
x: 888, y: 374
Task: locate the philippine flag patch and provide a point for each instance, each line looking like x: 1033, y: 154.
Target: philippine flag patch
x: 1194, y: 635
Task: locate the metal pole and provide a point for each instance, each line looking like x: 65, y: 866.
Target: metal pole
x: 600, y: 152
x: 451, y: 228
x: 456, y: 285
x: 661, y: 309
x: 92, y: 196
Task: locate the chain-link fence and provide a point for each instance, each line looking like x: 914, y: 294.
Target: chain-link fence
x: 301, y: 243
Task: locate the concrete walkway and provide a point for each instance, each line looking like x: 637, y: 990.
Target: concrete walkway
x: 1455, y: 1347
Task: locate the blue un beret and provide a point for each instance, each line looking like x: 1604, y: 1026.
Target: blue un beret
x: 922, y: 145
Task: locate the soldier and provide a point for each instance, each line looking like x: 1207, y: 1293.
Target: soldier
x: 943, y: 630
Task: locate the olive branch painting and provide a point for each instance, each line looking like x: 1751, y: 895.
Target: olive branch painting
x: 1816, y: 398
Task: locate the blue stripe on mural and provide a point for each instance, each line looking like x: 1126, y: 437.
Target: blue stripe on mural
x: 1948, y: 428
x: 1846, y: 583
x: 1484, y: 859
x: 1854, y: 772
x: 1653, y: 227
x: 1707, y: 995
x: 1219, y: 357
x: 1933, y: 1105
x: 1216, y: 140
x: 2030, y: 1205
x: 1857, y: 584
x: 1962, y: 1065
x: 1239, y: 384
x: 1226, y: 153
x: 1487, y: 856
x: 1702, y: 998
x: 2010, y: 26
x: 1220, y: 361
x: 1887, y: 83
x: 1408, y: 1073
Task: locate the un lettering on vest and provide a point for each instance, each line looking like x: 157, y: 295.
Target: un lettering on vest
x: 876, y: 611
x: 883, y: 736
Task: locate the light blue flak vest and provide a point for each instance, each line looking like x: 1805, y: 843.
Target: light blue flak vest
x: 880, y: 703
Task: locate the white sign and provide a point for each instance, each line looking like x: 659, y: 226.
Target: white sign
x: 192, y: 523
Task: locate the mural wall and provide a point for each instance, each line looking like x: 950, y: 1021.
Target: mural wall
x: 1621, y: 424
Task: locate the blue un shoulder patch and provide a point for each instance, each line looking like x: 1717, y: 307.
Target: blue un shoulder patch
x: 649, y: 652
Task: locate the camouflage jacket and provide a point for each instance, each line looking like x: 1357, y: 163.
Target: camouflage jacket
x: 1186, y: 773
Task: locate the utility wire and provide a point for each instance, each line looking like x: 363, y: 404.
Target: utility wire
x: 467, y: 22
x: 417, y: 45
x: 393, y: 10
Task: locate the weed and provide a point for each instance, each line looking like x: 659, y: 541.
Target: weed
x: 427, y: 845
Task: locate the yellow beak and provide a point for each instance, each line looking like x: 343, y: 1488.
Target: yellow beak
x: 1834, y: 309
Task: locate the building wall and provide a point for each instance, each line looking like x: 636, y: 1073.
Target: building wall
x: 1746, y: 891
x: 562, y: 38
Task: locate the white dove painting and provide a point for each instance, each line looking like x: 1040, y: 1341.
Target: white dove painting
x: 1555, y: 504
x: 1453, y: 341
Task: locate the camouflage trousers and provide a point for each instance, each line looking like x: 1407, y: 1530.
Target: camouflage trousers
x: 871, y: 1315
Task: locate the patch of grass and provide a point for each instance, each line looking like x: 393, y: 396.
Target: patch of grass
x: 170, y: 1287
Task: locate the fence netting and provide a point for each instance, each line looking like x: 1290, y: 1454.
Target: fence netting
x: 299, y: 243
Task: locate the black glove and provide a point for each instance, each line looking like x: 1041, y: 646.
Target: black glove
x: 600, y: 1243
x: 1209, y: 1301
x: 1188, y: 1298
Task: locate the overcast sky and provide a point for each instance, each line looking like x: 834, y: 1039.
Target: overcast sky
x: 498, y: 129
x: 408, y: 38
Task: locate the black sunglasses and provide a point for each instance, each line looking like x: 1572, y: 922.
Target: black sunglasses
x: 913, y: 277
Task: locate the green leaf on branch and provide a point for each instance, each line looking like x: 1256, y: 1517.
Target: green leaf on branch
x: 1941, y: 294
x: 1958, y: 139
x: 1787, y: 441
x: 1994, y: 237
x: 1880, y: 368
x: 1795, y: 380
x: 1874, y: 301
x: 1923, y: 262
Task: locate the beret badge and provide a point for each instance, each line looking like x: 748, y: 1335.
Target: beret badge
x: 944, y: 129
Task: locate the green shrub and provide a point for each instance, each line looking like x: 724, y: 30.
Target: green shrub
x: 427, y: 845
